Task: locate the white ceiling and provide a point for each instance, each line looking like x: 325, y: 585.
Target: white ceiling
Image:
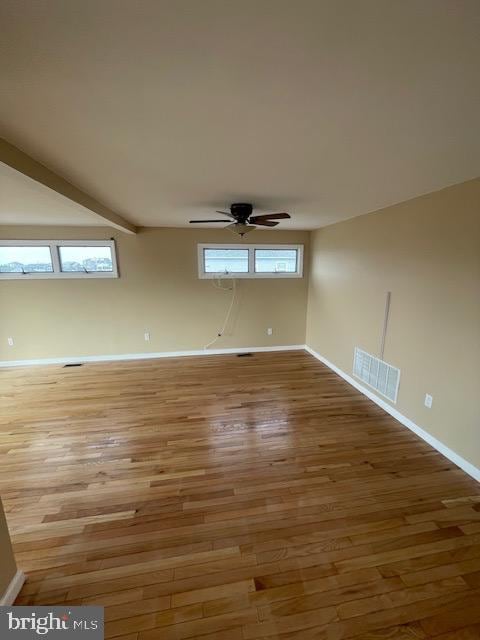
x: 165, y: 110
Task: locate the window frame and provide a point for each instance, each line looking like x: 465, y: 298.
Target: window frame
x: 252, y: 274
x: 54, y: 246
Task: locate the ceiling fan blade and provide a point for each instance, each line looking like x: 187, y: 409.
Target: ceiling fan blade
x: 270, y: 216
x: 200, y: 221
x: 265, y: 223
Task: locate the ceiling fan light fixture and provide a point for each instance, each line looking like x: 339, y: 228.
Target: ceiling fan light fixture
x: 241, y: 228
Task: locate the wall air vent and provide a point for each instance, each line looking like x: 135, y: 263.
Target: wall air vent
x: 378, y: 374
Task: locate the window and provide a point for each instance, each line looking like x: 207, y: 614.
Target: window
x: 250, y: 261
x: 89, y: 259
x: 35, y: 259
x: 225, y: 260
x: 57, y: 259
x: 276, y: 260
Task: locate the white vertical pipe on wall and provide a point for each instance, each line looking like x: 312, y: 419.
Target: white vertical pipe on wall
x: 385, y: 323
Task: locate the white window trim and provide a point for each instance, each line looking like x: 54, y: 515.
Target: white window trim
x: 251, y: 261
x: 54, y: 251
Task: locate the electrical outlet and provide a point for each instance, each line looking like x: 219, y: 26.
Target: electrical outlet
x: 10, y: 342
x: 146, y: 335
x: 269, y: 331
x: 428, y: 401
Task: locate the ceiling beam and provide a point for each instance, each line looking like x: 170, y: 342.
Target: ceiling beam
x: 23, y: 163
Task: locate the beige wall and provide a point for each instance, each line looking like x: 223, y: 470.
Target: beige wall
x: 8, y: 567
x: 427, y: 253
x: 158, y: 291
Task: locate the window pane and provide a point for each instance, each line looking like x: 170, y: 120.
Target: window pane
x: 275, y: 260
x: 33, y: 259
x: 86, y: 259
x: 226, y: 260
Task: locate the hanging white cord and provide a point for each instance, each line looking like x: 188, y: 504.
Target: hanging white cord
x: 227, y: 317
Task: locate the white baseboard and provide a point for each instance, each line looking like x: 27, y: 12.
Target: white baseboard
x: 466, y: 466
x: 13, y: 589
x: 147, y: 356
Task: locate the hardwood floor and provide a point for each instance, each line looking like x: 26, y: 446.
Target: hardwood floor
x: 234, y: 498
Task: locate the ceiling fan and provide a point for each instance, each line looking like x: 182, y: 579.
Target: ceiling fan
x: 241, y: 212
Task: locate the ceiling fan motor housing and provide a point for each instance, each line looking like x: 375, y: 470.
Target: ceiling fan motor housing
x: 241, y: 210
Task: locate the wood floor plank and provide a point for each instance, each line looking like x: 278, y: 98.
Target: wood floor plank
x: 226, y: 498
